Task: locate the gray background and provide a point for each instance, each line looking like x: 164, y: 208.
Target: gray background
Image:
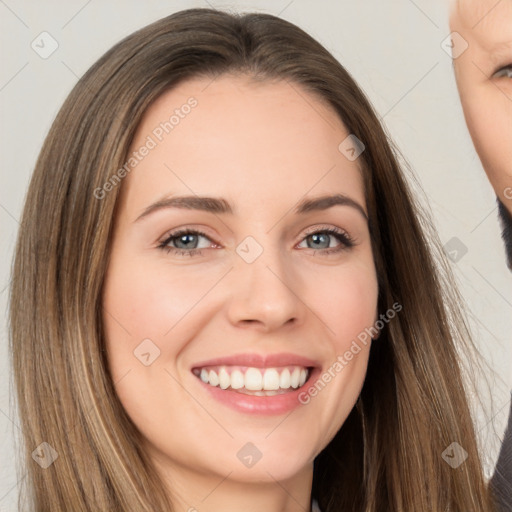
x: 392, y: 48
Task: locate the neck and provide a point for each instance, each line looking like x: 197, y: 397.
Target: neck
x: 196, y: 491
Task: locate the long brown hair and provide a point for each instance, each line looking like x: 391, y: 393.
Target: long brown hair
x: 387, y: 456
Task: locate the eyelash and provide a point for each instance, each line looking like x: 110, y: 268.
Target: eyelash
x: 346, y: 241
x: 502, y: 69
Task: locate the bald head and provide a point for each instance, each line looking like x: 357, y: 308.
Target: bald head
x: 484, y: 79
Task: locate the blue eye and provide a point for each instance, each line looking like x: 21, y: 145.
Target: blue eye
x: 346, y: 242
x: 188, y: 239
x: 183, y: 236
x: 505, y: 72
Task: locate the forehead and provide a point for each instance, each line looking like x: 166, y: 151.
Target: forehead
x: 242, y: 90
x: 243, y: 132
x: 487, y: 23
x: 259, y: 116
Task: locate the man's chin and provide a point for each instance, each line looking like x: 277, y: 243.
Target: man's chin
x: 506, y: 226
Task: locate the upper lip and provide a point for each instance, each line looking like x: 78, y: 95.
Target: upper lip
x: 260, y: 360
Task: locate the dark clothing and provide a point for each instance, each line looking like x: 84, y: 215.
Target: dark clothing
x: 501, y: 482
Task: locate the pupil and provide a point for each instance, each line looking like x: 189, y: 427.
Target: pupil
x: 317, y: 237
x: 184, y: 237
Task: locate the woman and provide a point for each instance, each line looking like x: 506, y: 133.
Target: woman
x: 253, y: 372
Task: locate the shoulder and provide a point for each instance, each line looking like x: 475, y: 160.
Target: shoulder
x: 501, y: 482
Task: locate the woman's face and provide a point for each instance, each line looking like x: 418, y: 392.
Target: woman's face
x: 265, y: 296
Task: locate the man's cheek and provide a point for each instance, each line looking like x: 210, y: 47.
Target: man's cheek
x: 478, y: 122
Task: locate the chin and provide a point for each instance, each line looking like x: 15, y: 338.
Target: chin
x: 279, y: 470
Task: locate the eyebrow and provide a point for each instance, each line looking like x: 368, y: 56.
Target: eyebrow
x: 220, y: 205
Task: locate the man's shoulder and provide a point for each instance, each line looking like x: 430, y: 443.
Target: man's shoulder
x: 501, y: 482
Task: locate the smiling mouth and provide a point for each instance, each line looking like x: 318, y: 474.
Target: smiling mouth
x: 254, y: 381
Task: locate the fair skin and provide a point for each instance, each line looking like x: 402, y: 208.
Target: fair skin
x: 264, y: 148
x: 484, y: 80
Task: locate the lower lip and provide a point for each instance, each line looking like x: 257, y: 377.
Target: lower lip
x: 263, y: 405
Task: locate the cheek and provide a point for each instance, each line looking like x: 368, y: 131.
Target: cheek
x: 148, y: 304
x: 141, y: 309
x: 348, y: 312
x: 347, y: 303
x: 489, y: 117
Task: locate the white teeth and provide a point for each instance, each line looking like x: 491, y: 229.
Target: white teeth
x: 213, y: 378
x: 294, y: 379
x: 271, y: 379
x: 237, y: 379
x: 284, y: 380
x: 224, y: 379
x: 253, y: 379
x: 259, y: 382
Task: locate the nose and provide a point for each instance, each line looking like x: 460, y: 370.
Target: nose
x: 266, y: 293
